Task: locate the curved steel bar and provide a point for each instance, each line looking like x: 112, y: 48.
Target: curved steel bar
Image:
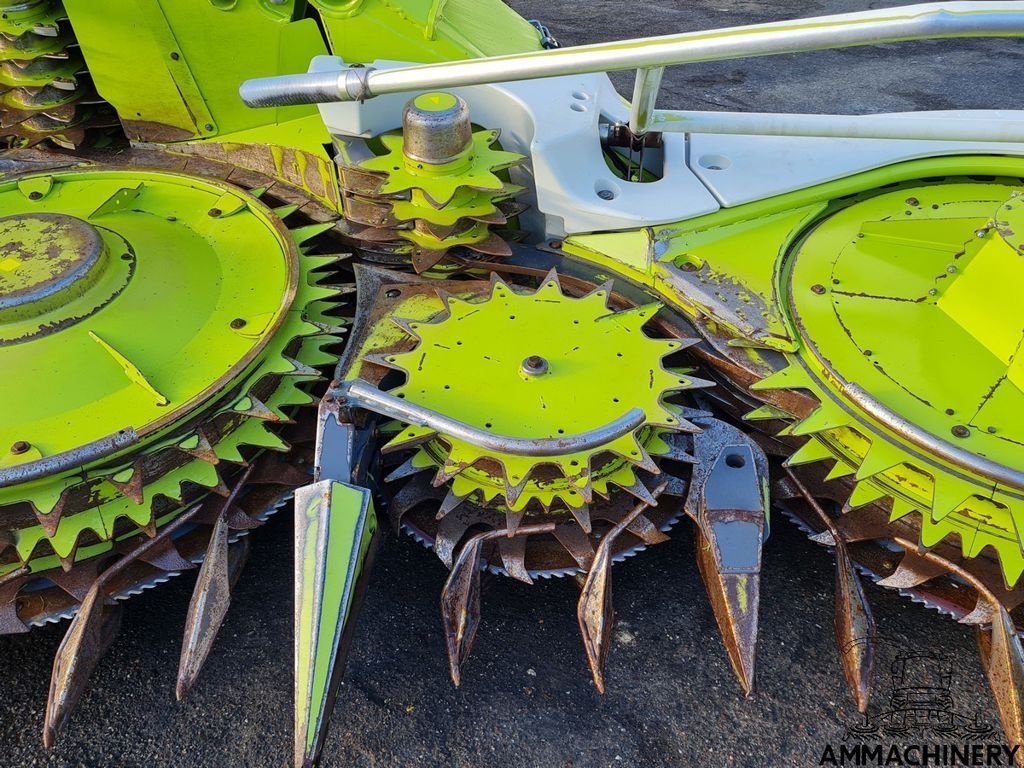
x: 361, y: 394
x: 890, y: 25
x: 76, y: 457
x: 906, y: 429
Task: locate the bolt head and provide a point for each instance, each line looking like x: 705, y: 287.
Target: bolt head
x: 237, y: 324
x: 961, y: 431
x: 535, y: 365
x: 20, y: 447
x: 818, y: 289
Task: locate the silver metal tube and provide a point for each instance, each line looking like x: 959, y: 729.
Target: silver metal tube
x: 959, y: 457
x: 645, y: 94
x: 362, y: 394
x: 920, y: 128
x: 890, y: 25
x: 76, y: 457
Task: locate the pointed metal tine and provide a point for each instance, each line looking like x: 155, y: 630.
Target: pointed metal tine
x: 451, y: 501
x: 512, y: 522
x: 577, y: 544
x: 594, y: 612
x: 166, y: 557
x: 88, y: 637
x: 855, y: 629
x: 854, y: 624
x: 1003, y: 661
x: 582, y: 515
x: 406, y: 469
x: 639, y: 490
x: 207, y: 609
x: 513, y: 558
x: 735, y: 601
x: 449, y: 533
x: 647, y: 531
x: 460, y: 607
x: 912, y: 571
x: 335, y: 542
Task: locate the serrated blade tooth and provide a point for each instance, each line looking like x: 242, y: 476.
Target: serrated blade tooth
x: 449, y: 533
x: 513, y: 558
x: 451, y: 501
x: 912, y: 571
x: 409, y: 467
x: 582, y: 515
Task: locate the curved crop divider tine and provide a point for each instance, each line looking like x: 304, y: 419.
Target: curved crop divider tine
x: 595, y: 612
x: 460, y: 597
x: 728, y: 498
x: 854, y: 624
x: 336, y: 536
x: 211, y: 597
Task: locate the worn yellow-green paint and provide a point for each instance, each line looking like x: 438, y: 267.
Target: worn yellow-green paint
x: 583, y: 343
x: 337, y: 525
x: 179, y: 279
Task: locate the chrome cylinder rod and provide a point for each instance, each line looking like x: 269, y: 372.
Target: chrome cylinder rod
x: 922, y: 127
x: 890, y: 25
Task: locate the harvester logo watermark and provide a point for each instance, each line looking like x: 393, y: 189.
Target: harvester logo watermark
x: 919, y: 726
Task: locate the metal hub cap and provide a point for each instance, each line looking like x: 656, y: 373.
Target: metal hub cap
x: 46, y: 260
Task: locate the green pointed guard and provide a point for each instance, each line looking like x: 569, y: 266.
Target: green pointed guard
x: 335, y: 538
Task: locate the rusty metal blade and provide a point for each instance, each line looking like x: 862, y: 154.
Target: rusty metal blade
x: 912, y: 571
x: 594, y: 612
x: 1003, y: 661
x: 727, y: 500
x: 460, y: 607
x: 513, y: 558
x: 855, y: 629
x: 88, y: 637
x: 207, y: 609
x: 735, y: 599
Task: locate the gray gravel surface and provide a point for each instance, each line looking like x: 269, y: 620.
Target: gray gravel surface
x: 526, y: 698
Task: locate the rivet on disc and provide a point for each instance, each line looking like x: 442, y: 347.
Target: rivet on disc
x: 961, y: 431
x: 20, y: 447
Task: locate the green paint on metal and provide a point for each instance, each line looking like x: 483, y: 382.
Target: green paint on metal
x: 598, y: 365
x: 191, y: 56
x: 435, y: 102
x: 440, y: 183
x: 424, y: 30
x: 909, y: 295
x: 335, y: 524
x: 163, y: 339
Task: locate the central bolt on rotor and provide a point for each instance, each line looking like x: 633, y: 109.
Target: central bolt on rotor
x: 535, y: 365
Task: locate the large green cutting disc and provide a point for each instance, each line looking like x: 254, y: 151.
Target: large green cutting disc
x: 911, y: 328
x: 149, y: 324
x: 173, y: 315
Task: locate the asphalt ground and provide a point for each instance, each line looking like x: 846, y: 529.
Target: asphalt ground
x: 526, y: 697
